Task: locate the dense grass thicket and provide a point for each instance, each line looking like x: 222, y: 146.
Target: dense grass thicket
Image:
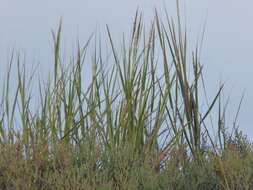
x: 143, y: 122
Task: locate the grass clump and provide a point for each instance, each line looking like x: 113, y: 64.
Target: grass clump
x: 138, y: 125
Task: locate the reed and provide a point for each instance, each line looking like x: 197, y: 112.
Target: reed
x: 133, y: 127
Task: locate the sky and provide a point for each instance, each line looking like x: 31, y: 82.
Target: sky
x: 228, y: 44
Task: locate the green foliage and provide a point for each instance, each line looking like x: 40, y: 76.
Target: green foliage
x: 133, y: 127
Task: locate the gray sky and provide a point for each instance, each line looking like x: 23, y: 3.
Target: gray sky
x: 227, y: 53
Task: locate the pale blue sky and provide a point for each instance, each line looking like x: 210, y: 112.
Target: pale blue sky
x: 228, y: 48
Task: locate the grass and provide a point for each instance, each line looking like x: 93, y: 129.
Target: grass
x: 139, y: 124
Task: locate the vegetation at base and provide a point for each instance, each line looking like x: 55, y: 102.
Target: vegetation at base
x: 143, y: 122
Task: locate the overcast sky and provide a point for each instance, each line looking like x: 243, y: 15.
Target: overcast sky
x: 228, y: 48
